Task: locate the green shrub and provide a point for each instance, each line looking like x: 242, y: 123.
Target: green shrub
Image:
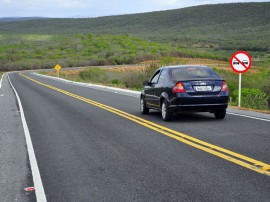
x: 133, y: 80
x: 115, y: 82
x: 252, y: 98
x: 93, y: 74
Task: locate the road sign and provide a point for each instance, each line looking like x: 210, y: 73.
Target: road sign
x: 57, y: 67
x: 240, y: 62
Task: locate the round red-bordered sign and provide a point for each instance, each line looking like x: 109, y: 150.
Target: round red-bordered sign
x: 240, y: 61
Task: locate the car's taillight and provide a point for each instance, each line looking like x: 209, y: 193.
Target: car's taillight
x: 224, y: 87
x: 178, y: 88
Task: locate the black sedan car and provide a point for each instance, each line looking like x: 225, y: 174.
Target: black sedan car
x: 185, y: 88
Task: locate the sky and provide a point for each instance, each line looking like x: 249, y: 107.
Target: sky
x: 95, y: 8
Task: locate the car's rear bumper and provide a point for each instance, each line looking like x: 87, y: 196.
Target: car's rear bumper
x: 198, y: 107
x: 200, y: 103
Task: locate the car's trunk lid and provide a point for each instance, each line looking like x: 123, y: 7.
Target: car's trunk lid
x: 202, y: 87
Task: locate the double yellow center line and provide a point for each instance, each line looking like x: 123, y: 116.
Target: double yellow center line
x: 228, y: 155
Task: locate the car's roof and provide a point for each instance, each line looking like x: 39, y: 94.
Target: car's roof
x: 181, y: 66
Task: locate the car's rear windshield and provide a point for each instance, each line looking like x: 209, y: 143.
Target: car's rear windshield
x: 187, y: 73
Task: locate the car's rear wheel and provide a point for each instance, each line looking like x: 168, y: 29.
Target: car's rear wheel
x: 144, y: 108
x: 166, y: 113
x: 220, y: 114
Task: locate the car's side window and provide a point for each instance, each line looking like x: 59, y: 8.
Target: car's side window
x: 162, y: 77
x: 155, y: 78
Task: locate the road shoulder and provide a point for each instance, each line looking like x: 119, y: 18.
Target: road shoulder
x: 15, y: 172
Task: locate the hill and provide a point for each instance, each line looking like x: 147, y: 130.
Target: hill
x: 222, y: 26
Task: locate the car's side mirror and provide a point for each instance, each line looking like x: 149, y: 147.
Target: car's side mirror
x: 146, y: 83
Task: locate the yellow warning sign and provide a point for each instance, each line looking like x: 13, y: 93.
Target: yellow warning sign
x: 57, y: 67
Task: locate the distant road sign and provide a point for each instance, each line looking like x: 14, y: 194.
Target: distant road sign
x: 57, y: 67
x: 240, y: 62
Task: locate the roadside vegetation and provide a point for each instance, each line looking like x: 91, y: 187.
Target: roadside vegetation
x: 255, y: 92
x: 255, y: 85
x: 19, y: 52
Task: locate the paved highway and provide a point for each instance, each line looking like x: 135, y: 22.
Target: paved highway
x: 94, y: 145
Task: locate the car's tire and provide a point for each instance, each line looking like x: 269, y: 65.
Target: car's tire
x: 220, y: 114
x: 166, y: 113
x: 143, y: 107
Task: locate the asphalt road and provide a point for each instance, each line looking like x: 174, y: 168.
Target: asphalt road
x: 87, y: 153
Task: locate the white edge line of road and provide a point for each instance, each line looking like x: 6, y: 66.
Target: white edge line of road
x: 1, y: 80
x: 125, y: 92
x: 252, y: 117
x: 40, y: 194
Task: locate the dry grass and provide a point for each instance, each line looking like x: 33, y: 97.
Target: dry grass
x: 141, y: 66
x: 68, y: 74
x: 218, y: 64
x: 182, y: 61
x: 125, y: 68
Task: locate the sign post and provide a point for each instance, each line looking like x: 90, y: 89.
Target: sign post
x: 239, y: 89
x: 57, y: 68
x: 240, y: 63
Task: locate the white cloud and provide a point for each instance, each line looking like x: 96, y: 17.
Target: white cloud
x: 164, y: 2
x: 72, y: 4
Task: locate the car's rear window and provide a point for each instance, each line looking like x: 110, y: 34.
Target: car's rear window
x: 186, y: 73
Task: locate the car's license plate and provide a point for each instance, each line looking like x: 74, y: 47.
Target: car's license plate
x: 203, y: 88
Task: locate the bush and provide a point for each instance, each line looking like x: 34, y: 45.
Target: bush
x: 252, y: 98
x: 133, y: 80
x: 93, y: 74
x: 115, y: 82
